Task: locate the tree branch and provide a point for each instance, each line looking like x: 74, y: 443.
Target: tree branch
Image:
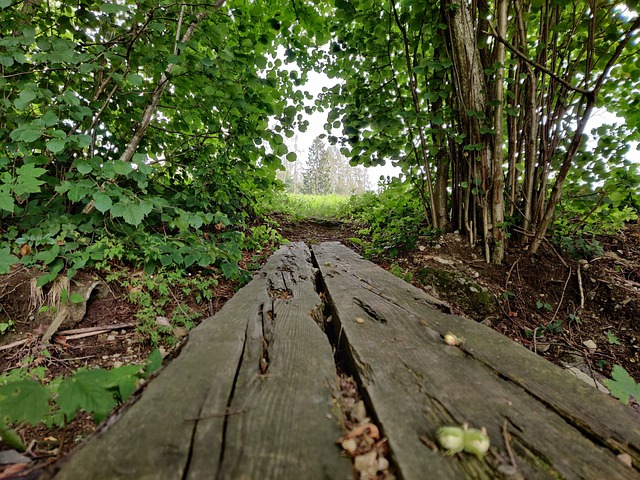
x: 540, y: 67
x: 151, y: 107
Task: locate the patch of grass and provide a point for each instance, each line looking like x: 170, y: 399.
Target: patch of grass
x: 317, y: 207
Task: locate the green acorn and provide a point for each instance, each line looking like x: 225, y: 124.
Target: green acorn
x: 452, y: 439
x: 476, y: 442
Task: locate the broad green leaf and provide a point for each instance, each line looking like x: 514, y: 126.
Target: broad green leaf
x: 112, y: 8
x: 85, y: 391
x: 229, y: 269
x: 5, y: 3
x: 102, y: 202
x: 76, y: 298
x: 55, y: 145
x: 84, y: 167
x: 26, y: 400
x: 6, y: 200
x: 122, y: 168
x: 135, y: 79
x: 27, y: 180
x: 132, y: 212
x: 6, y: 260
x: 621, y: 385
x: 153, y: 363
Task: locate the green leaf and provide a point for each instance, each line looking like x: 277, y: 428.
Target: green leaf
x: 11, y: 438
x: 5, y: 4
x: 84, y: 167
x: 621, y: 385
x: 229, y: 269
x: 6, y: 260
x: 122, y: 168
x: 29, y: 135
x: 102, y: 202
x: 6, y: 200
x: 153, y: 363
x: 135, y: 79
x: 112, y: 8
x: 612, y: 339
x: 132, y: 213
x: 85, y: 391
x: 27, y: 184
x: 55, y: 145
x: 26, y: 401
x: 76, y: 298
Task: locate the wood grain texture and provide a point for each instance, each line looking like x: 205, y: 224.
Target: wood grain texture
x: 217, y: 411
x: 559, y: 427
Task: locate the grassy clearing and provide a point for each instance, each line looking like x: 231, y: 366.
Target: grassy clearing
x: 320, y: 207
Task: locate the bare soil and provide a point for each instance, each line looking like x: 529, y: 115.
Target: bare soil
x: 584, y: 313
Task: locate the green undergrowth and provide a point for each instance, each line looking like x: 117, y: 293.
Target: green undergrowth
x: 298, y: 206
x: 390, y: 221
x: 26, y: 397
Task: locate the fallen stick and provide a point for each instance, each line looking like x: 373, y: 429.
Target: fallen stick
x: 118, y: 326
x: 84, y: 335
x: 14, y: 344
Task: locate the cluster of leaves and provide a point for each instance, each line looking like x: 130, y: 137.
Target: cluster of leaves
x: 392, y: 219
x: 139, y: 131
x: 492, y: 94
x: 162, y: 301
x: 601, y: 194
x: 26, y: 400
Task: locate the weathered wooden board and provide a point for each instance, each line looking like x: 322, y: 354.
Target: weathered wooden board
x: 248, y: 397
x: 558, y: 426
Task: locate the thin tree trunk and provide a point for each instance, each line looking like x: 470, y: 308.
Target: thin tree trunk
x: 151, y: 107
x: 556, y: 192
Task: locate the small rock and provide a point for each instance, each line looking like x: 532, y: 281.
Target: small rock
x: 163, y: 321
x: 422, y: 248
x: 111, y: 338
x: 180, y: 332
x: 7, y: 457
x: 117, y: 364
x: 444, y: 261
x: 437, y: 246
x: 474, y: 289
x: 591, y: 345
x: 360, y: 320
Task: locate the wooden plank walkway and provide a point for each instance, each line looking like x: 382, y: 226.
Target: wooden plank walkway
x: 559, y: 427
x: 251, y: 395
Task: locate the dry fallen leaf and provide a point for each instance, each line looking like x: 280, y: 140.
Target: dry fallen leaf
x: 362, y: 429
x: 350, y: 445
x: 367, y: 464
x: 625, y: 458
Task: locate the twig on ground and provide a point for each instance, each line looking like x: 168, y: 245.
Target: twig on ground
x: 556, y: 252
x: 14, y: 344
x: 580, y: 287
x: 506, y: 283
x: 564, y: 289
x: 119, y: 326
x: 505, y: 435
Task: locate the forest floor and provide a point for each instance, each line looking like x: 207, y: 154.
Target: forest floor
x: 584, y: 314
